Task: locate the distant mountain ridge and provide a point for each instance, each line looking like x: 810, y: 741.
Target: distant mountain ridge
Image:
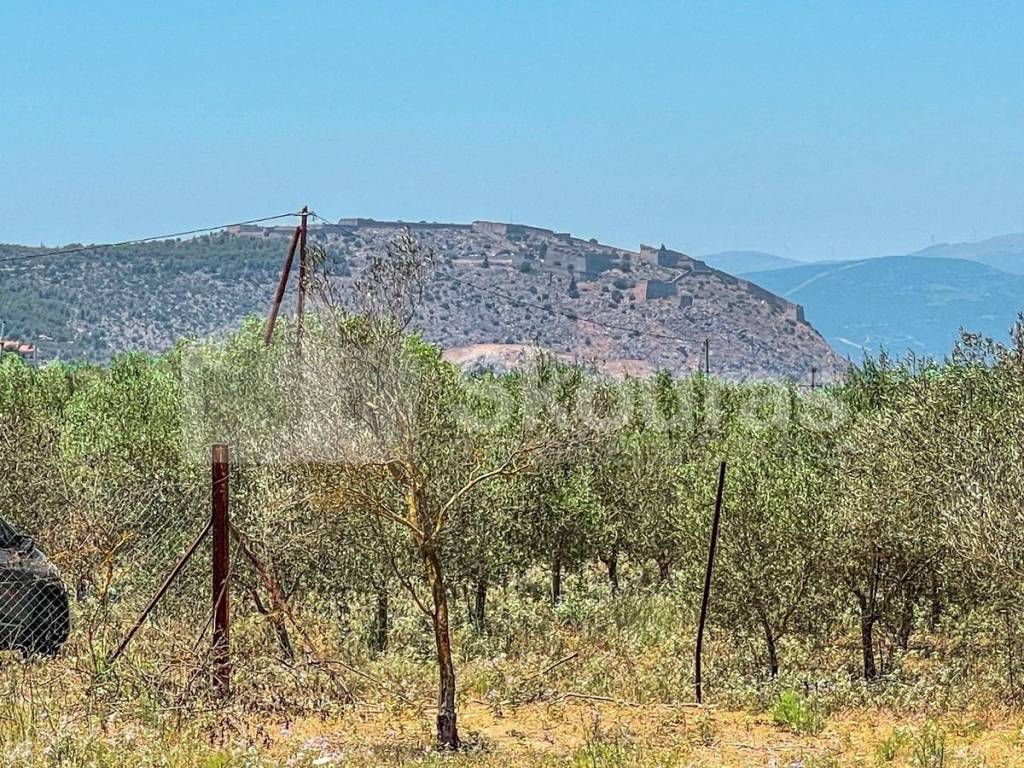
x: 1005, y: 252
x: 900, y: 303
x: 738, y: 262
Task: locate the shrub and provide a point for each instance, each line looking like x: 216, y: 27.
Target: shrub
x: 797, y: 713
x: 889, y: 748
x: 929, y: 747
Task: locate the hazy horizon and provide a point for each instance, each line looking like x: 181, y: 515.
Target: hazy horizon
x: 597, y: 236
x: 809, y: 131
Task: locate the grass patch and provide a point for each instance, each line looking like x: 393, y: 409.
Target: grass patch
x: 797, y: 713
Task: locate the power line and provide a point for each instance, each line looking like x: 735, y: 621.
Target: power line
x: 316, y: 215
x: 137, y: 241
x: 575, y: 316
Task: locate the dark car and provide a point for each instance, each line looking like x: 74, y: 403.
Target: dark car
x: 34, y: 616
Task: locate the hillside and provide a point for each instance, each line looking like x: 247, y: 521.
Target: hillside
x: 737, y: 262
x: 900, y: 303
x: 496, y: 290
x: 1005, y: 252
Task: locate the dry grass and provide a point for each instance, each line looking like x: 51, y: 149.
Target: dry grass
x: 596, y: 685
x: 564, y: 732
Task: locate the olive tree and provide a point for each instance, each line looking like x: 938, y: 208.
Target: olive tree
x: 388, y: 429
x: 773, y: 542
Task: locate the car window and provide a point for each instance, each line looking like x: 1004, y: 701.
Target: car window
x: 7, y: 534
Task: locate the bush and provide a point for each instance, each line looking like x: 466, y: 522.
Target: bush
x: 797, y: 713
x: 929, y: 747
x: 889, y: 748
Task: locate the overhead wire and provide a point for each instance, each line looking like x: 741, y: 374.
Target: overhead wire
x: 567, y: 314
x: 106, y: 246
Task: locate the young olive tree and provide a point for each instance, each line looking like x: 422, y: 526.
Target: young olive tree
x: 562, y: 517
x: 389, y: 430
x: 773, y: 537
x: 886, y: 529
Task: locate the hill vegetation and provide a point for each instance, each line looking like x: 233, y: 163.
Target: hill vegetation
x: 490, y: 285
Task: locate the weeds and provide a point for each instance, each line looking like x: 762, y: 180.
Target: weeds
x: 929, y: 749
x: 601, y: 750
x: 891, y: 746
x: 797, y: 713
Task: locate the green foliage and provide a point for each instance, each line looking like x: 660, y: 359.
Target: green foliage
x: 797, y: 713
x: 891, y: 746
x: 602, y: 750
x: 929, y: 747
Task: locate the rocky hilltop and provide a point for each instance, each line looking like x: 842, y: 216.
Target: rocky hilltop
x: 500, y: 288
x: 497, y: 291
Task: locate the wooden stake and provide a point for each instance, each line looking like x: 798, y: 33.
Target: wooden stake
x: 707, y: 582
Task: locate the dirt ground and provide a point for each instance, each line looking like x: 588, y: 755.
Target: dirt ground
x: 580, y: 732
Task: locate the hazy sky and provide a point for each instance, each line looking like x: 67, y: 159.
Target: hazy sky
x: 810, y: 129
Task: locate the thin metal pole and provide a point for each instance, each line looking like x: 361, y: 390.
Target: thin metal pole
x: 178, y: 567
x: 707, y: 357
x: 303, y: 271
x: 707, y: 582
x: 814, y: 373
x: 282, y: 283
x: 220, y: 466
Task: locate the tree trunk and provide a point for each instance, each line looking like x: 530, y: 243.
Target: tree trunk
x: 664, y: 568
x: 770, y: 642
x: 612, y: 563
x: 867, y: 638
x: 556, y: 581
x: 381, y: 620
x: 277, y: 624
x: 277, y: 620
x: 936, y: 605
x: 480, y: 605
x: 906, y: 627
x: 447, y: 731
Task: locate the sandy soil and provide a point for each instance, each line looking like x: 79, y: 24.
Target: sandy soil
x: 582, y: 732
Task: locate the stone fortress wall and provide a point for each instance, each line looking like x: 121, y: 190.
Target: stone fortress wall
x: 604, y: 259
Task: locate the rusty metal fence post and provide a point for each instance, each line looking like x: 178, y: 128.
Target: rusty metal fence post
x: 707, y: 585
x: 221, y: 658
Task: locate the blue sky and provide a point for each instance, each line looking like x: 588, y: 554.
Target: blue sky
x: 809, y: 129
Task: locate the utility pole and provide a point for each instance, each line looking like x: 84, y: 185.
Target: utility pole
x: 814, y: 373
x: 282, y: 283
x: 303, y: 271
x: 707, y: 357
